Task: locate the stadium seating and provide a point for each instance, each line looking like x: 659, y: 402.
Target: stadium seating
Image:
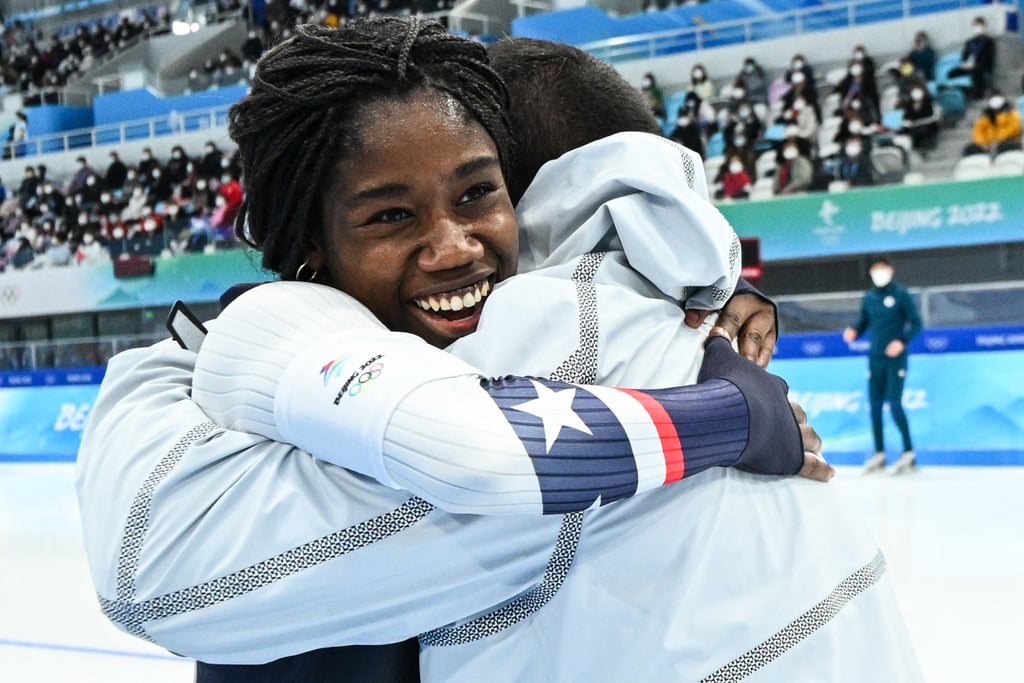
x: 973, y: 167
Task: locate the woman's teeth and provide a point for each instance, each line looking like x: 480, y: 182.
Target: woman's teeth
x: 456, y: 300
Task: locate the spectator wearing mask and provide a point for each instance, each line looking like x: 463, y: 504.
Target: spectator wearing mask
x: 177, y: 166
x: 701, y: 84
x: 741, y: 147
x: 252, y: 47
x: 799, y: 64
x: 907, y: 78
x: 753, y: 80
x: 801, y: 87
x: 997, y: 129
x: 159, y: 188
x: 861, y: 56
x: 857, y: 84
x: 51, y: 201
x: 853, y: 125
x: 854, y: 167
x: 24, y: 255
x: 82, y: 173
x: 736, y: 181
x: 977, y: 58
x: 58, y: 251
x: 795, y: 172
x: 746, y: 124
x: 801, y: 115
x: 861, y: 108
x: 89, y: 195
x: 117, y: 173
x: 91, y: 250
x: 920, y: 120
x: 688, y: 131
x: 146, y: 165
x: 653, y: 95
x: 922, y: 55
x: 28, y: 198
x: 210, y: 162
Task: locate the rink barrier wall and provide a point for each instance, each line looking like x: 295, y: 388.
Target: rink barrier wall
x: 964, y: 399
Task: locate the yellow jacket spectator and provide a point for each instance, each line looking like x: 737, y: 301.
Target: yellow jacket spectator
x: 997, y: 129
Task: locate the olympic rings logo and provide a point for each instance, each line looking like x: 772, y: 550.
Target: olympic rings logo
x: 368, y: 375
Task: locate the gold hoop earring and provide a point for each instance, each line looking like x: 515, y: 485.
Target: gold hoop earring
x: 298, y: 272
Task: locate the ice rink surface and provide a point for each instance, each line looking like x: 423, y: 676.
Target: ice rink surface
x: 953, y: 536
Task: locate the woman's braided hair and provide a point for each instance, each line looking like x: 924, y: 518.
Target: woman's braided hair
x: 309, y: 96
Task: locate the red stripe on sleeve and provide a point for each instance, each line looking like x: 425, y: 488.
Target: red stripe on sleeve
x: 675, y: 463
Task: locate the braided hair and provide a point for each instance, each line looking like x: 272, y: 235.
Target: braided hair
x: 310, y: 97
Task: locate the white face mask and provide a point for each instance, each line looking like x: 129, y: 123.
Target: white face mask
x: 735, y: 167
x: 797, y: 77
x: 698, y: 75
x: 740, y: 141
x: 87, y: 238
x: 852, y: 150
x: 683, y: 121
x: 790, y: 153
x: 798, y: 64
x: 856, y: 70
x: 978, y: 29
x: 996, y: 102
x: 646, y: 83
x: 917, y: 95
x: 737, y: 94
x: 881, y: 276
x: 855, y: 127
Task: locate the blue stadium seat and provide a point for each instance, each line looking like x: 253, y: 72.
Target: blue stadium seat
x: 716, y: 145
x: 943, y: 66
x: 953, y: 104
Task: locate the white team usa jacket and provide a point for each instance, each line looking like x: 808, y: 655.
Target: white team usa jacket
x: 228, y: 547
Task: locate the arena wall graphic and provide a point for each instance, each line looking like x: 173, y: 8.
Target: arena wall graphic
x: 963, y: 392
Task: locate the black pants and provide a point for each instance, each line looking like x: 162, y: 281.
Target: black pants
x: 885, y: 385
x: 397, y: 663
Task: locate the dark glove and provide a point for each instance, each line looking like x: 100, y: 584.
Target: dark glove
x: 774, y: 445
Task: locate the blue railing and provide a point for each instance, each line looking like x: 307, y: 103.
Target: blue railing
x: 706, y: 35
x: 173, y: 123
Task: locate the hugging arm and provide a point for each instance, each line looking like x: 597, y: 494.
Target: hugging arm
x: 390, y: 406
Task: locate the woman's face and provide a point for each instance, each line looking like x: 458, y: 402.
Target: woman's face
x: 418, y: 225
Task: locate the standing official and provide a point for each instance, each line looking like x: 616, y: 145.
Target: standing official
x: 889, y: 312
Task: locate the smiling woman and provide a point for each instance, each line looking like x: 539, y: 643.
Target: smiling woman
x: 374, y: 159
x: 419, y: 226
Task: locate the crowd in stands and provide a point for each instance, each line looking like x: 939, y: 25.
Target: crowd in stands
x: 797, y: 132
x: 791, y: 133
x: 152, y: 206
x: 275, y: 24
x: 37, y: 66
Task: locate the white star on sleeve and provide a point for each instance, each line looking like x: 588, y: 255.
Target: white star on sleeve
x: 554, y: 408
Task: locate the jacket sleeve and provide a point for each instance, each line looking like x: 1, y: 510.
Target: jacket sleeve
x: 912, y: 318
x: 863, y: 320
x: 392, y: 407
x: 229, y: 548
